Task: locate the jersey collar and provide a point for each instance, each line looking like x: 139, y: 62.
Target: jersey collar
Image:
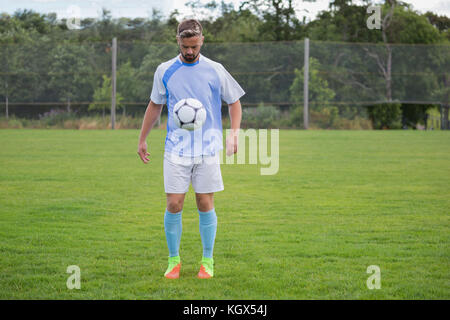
x: 190, y: 64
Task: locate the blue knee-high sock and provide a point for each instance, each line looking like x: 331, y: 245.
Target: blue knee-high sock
x: 172, y: 227
x: 208, y: 227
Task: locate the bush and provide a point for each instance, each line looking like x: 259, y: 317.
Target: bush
x: 296, y: 118
x: 57, y: 117
x: 358, y: 123
x: 60, y: 119
x: 325, y: 118
x: 385, y: 116
x: 261, y: 117
x: 12, y: 123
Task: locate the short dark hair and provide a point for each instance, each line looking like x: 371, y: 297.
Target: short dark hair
x: 189, y: 28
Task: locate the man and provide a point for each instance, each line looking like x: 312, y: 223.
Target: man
x: 192, y: 75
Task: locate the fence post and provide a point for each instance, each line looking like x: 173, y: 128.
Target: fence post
x: 305, y: 86
x: 113, y: 82
x: 446, y: 122
x: 7, y: 111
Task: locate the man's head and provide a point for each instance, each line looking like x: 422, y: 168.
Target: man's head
x: 190, y: 39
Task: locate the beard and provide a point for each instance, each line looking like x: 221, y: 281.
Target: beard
x: 189, y: 58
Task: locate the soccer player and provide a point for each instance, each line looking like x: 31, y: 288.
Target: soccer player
x: 192, y: 75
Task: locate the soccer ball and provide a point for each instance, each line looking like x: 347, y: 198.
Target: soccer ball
x: 189, y: 114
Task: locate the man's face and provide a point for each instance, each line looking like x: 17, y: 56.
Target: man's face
x: 190, y: 47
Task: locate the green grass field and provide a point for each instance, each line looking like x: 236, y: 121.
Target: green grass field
x: 341, y: 201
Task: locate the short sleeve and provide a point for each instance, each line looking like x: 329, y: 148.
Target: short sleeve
x: 231, y: 91
x: 158, y: 95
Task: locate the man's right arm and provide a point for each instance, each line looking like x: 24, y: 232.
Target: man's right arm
x: 151, y: 115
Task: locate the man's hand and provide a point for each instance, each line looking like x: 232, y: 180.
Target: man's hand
x: 142, y: 151
x: 232, y: 142
x: 151, y: 115
x: 235, y: 111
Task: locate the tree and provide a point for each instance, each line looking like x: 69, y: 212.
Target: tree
x: 320, y: 95
x: 442, y: 23
x: 127, y: 83
x: 102, y: 96
x: 71, y: 72
x: 344, y: 21
x: 156, y: 53
x: 233, y: 26
x: 401, y: 25
x: 385, y: 116
x: 48, y: 62
x: 279, y: 21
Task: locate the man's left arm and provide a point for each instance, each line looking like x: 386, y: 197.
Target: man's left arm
x: 235, y: 111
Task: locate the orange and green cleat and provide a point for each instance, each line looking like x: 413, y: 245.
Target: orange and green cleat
x: 173, y: 270
x: 206, y: 268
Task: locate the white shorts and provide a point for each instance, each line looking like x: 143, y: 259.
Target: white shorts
x: 203, y: 172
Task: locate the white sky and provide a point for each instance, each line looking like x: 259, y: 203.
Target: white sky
x: 143, y: 8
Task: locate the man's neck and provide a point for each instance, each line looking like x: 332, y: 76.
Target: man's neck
x: 189, y: 62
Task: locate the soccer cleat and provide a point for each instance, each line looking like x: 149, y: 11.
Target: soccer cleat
x: 206, y: 268
x: 173, y: 270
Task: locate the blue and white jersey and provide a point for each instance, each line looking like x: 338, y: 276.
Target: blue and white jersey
x: 206, y: 81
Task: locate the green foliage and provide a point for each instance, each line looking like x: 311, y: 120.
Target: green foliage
x: 61, y: 119
x: 233, y: 26
x: 442, y: 92
x: 74, y: 61
x: 385, y: 116
x: 127, y: 82
x: 12, y: 123
x: 154, y: 55
x: 71, y: 72
x: 347, y: 21
x: 434, y: 118
x: 254, y: 20
x: 414, y: 114
x: 320, y: 97
x: 56, y: 117
x: 102, y: 96
x: 344, y: 21
x: 408, y: 26
x: 278, y: 19
x: 319, y: 92
x: 325, y: 118
x: 261, y: 117
x: 441, y: 22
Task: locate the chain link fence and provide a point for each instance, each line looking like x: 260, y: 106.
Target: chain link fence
x: 348, y: 83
